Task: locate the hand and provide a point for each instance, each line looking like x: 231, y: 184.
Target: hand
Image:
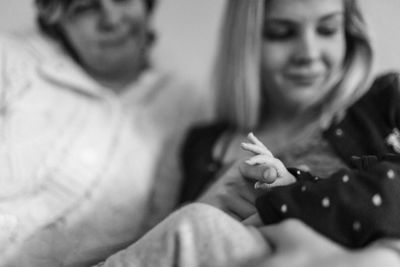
x: 232, y: 193
x: 264, y: 168
x: 297, y: 245
x: 253, y: 220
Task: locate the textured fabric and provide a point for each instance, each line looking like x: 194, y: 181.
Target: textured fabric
x: 83, y: 171
x: 352, y: 208
x: 197, y: 235
x: 314, y: 153
x: 354, y: 205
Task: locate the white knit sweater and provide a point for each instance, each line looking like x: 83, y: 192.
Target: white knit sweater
x: 78, y: 164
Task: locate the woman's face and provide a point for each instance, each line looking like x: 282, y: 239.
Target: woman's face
x: 109, y: 36
x: 303, y: 50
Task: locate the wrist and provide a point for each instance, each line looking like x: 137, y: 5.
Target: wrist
x: 388, y: 250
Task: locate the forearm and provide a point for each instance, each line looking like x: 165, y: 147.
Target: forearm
x: 360, y: 206
x: 372, y: 257
x: 388, y: 251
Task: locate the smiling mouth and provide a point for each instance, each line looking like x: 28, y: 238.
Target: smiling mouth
x: 304, y: 79
x: 114, y: 42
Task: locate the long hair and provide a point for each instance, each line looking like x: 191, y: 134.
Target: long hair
x: 237, y: 69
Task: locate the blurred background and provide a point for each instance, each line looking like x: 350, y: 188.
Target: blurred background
x: 190, y: 31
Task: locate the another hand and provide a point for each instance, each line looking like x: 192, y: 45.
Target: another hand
x: 297, y: 245
x: 263, y: 168
x: 232, y: 193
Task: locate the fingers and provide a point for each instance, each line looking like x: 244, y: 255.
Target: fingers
x: 255, y: 140
x: 262, y: 157
x: 268, y: 163
x: 285, y: 179
x: 262, y: 186
x: 254, y: 220
x: 265, y: 160
x: 255, y: 146
x: 255, y: 149
x: 264, y: 173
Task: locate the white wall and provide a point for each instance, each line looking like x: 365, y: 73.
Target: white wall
x: 189, y: 31
x: 190, y: 28
x: 383, y: 17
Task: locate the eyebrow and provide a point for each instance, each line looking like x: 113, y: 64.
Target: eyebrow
x: 287, y: 21
x: 80, y: 1
x: 332, y: 16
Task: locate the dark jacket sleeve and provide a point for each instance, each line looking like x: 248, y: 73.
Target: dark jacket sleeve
x: 352, y: 207
x: 199, y: 166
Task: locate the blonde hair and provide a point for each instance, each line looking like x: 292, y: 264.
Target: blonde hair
x: 237, y: 70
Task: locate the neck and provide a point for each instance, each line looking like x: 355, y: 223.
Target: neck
x: 276, y: 114
x: 282, y: 132
x: 290, y: 120
x: 116, y: 81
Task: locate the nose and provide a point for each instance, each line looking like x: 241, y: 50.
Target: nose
x: 111, y: 14
x: 307, y: 48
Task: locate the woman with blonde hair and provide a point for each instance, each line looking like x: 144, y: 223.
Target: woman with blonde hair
x: 298, y: 73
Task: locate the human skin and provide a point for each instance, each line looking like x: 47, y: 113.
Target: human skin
x: 109, y: 37
x: 302, y: 52
x: 297, y: 245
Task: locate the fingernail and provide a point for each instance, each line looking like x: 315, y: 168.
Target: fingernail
x: 249, y: 162
x: 261, y: 185
x: 265, y: 186
x: 266, y: 174
x: 269, y: 174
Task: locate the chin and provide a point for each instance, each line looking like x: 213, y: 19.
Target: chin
x: 304, y: 97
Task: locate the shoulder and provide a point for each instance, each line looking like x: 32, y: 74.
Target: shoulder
x: 388, y: 79
x: 381, y: 103
x: 28, y: 46
x: 206, y: 133
x: 383, y: 94
x: 201, y: 139
x: 385, y: 87
x: 14, y: 47
x: 199, y: 165
x: 18, y: 60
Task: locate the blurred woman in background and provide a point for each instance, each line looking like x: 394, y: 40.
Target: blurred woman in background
x: 90, y: 130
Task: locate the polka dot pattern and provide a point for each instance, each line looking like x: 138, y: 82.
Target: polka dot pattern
x: 359, y: 201
x: 377, y: 200
x: 339, y: 132
x: 326, y: 202
x: 284, y: 208
x: 357, y: 226
x: 391, y: 174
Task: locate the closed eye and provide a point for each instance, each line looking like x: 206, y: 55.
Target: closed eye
x: 279, y: 30
x: 331, y: 25
x: 82, y: 6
